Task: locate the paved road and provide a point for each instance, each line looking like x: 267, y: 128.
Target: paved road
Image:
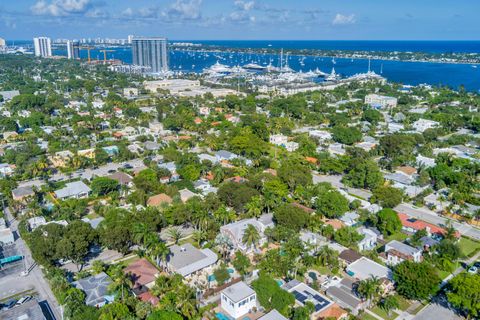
x: 431, y: 217
x: 15, y: 283
x: 437, y: 311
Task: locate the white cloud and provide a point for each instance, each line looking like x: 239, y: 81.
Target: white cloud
x: 341, y: 19
x: 184, y: 10
x: 244, y: 5
x: 61, y: 8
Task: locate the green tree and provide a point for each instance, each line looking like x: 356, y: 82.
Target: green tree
x: 416, y: 281
x: 331, y: 204
x: 347, y: 236
x: 346, y: 135
x: 294, y: 173
x: 388, y: 222
x: 464, y: 293
x: 271, y: 296
x: 387, y: 197
x: 251, y: 237
x: 389, y: 303
x: 291, y: 217
x: 364, y: 174
x: 241, y: 263
x: 236, y: 195
x: 103, y: 185
x: 164, y: 315
x: 221, y: 274
x: 369, y: 289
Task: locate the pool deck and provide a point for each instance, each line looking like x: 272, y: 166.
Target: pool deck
x: 251, y: 315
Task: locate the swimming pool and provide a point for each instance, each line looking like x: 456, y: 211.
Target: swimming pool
x: 221, y: 316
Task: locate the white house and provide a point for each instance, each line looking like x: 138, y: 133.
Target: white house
x: 234, y: 231
x: 278, y: 139
x: 76, y: 189
x: 422, y: 125
x: 397, y: 252
x: 238, y: 300
x: 320, y: 135
x: 380, y: 102
x: 369, y: 240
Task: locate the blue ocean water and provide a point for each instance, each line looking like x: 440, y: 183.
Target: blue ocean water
x: 412, y: 73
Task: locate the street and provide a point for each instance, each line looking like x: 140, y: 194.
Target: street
x: 15, y: 283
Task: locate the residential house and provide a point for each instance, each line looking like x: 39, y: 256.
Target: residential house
x: 412, y: 225
x: 238, y: 300
x: 204, y: 186
x: 380, y: 102
x: 22, y: 193
x: 344, y: 294
x: 96, y: 289
x: 6, y: 235
x: 365, y: 268
x: 425, y: 161
x: 350, y: 219
x: 186, y: 195
x: 87, y: 153
x: 303, y: 294
x: 142, y: 273
x: 224, y: 155
x: 6, y: 169
x: 159, y: 200
x: 273, y: 315
x: 187, y: 260
x: 61, y: 159
x: 111, y: 150
x: 397, y: 252
x: 320, y: 135
x: 76, y: 190
x: 349, y: 256
x: 369, y: 241
x: 122, y: 178
x: 234, y: 231
x: 35, y: 222
x: 421, y: 125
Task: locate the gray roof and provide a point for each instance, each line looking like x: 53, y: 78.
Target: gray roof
x: 399, y: 177
x: 29, y: 310
x: 72, y: 189
x: 95, y: 288
x: 401, y: 247
x: 151, y: 145
x: 186, y: 259
x: 344, y: 296
x: 23, y: 191
x: 223, y: 154
x: 93, y: 222
x: 273, y: 315
x: 238, y: 291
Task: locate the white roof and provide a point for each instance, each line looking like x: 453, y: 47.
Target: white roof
x: 273, y: 315
x: 365, y: 268
x: 238, y: 291
x: 72, y: 189
x: 187, y: 259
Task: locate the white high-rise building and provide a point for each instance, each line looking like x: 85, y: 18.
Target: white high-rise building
x: 151, y: 52
x: 73, y: 50
x: 130, y: 38
x: 3, y: 43
x: 43, y: 47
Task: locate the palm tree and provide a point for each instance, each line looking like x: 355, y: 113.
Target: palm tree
x: 390, y: 303
x: 199, y: 236
x: 175, y: 235
x: 186, y: 302
x: 141, y: 233
x: 369, y: 289
x: 120, y: 280
x: 224, y: 244
x: 251, y: 237
x: 224, y: 215
x: 255, y: 206
x: 160, y: 251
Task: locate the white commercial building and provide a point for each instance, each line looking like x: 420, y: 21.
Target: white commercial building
x: 238, y: 299
x: 378, y: 101
x: 43, y: 47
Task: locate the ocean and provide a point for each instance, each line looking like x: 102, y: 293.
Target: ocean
x: 410, y: 73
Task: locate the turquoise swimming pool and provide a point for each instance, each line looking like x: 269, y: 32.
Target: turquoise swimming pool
x: 221, y: 316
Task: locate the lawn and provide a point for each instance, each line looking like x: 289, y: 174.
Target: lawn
x: 382, y: 313
x: 403, y: 303
x: 399, y: 236
x: 366, y: 316
x: 468, y: 246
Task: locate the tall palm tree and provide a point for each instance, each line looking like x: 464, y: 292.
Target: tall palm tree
x: 186, y: 302
x: 160, y: 251
x: 254, y: 207
x: 199, y: 236
x: 141, y: 232
x: 389, y: 303
x: 120, y: 280
x: 175, y: 235
x: 251, y: 237
x: 369, y: 289
x: 223, y: 215
x: 224, y: 244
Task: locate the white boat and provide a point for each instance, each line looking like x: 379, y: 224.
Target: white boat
x: 253, y: 66
x: 218, y: 68
x: 333, y: 76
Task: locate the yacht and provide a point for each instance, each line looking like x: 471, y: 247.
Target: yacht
x: 253, y: 66
x: 333, y: 76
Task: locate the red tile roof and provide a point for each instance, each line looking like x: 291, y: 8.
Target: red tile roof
x: 409, y: 222
x: 142, y: 272
x: 148, y: 297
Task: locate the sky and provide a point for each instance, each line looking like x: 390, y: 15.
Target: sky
x: 243, y: 19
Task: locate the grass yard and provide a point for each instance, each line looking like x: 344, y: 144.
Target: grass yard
x: 468, y: 247
x: 399, y: 236
x: 404, y: 304
x: 366, y: 316
x: 382, y: 313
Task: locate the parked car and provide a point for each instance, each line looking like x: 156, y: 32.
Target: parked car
x: 9, y: 304
x: 23, y: 300
x: 473, y: 269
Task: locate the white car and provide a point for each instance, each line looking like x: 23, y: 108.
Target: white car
x: 473, y: 269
